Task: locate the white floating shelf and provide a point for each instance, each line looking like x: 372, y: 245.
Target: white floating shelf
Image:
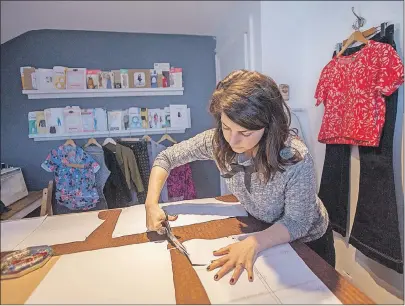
x: 138, y: 132
x: 94, y: 93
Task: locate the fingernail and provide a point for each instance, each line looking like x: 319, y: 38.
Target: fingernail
x: 251, y: 279
x: 208, y: 268
x: 231, y: 281
x: 216, y: 276
x: 175, y: 216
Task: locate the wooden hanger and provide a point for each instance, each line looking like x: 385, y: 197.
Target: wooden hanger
x: 70, y: 142
x: 166, y: 137
x: 147, y: 138
x: 365, y: 33
x: 92, y: 141
x: 109, y: 140
x: 356, y: 36
x: 372, y: 31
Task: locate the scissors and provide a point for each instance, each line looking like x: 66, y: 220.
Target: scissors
x: 175, y: 241
x: 172, y: 238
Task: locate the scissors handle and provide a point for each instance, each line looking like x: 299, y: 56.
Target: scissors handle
x: 166, y: 221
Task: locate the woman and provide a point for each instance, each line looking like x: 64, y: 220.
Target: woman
x: 276, y: 183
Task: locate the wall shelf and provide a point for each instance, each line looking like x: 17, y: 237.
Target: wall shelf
x: 126, y: 133
x: 94, y: 93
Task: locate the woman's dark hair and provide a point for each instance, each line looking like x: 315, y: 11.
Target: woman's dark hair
x: 253, y: 101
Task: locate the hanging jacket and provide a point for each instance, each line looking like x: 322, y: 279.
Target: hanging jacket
x: 116, y: 190
x: 140, y: 151
x: 127, y: 161
x: 101, y: 175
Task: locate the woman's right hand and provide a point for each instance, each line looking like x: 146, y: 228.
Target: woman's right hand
x: 154, y: 218
x: 154, y: 214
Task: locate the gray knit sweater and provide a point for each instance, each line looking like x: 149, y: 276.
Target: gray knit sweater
x: 290, y: 198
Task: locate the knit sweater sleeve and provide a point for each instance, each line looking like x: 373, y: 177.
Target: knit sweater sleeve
x: 300, y: 210
x: 198, y: 147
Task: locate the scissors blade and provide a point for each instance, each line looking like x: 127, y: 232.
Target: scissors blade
x: 177, y: 244
x: 182, y: 249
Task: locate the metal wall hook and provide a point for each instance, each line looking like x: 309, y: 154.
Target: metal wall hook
x: 359, y: 22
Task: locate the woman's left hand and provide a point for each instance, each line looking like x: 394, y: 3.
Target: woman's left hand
x: 238, y: 256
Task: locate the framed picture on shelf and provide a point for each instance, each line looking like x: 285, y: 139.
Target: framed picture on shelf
x: 139, y: 78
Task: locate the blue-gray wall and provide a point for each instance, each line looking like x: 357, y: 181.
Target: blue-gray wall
x: 102, y: 50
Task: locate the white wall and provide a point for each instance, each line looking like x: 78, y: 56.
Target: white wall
x: 298, y: 39
x: 243, y: 18
x: 238, y: 44
x: 167, y: 17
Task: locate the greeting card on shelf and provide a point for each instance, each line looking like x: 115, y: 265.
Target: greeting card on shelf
x: 144, y: 117
x: 107, y: 80
x: 163, y: 70
x: 54, y: 119
x: 176, y: 77
x: 44, y: 78
x: 116, y: 78
x: 41, y: 123
x: 125, y: 119
x: 59, y: 77
x: 155, y: 117
x: 88, y: 120
x: 153, y: 78
x: 76, y: 78
x: 100, y: 120
x: 32, y: 123
x: 115, y: 120
x: 135, y: 120
x: 179, y: 116
x: 139, y: 78
x: 124, y: 78
x: 28, y: 78
x: 92, y: 79
x: 73, y: 119
x: 166, y: 117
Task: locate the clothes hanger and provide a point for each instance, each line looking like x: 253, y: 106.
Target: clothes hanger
x: 372, y: 31
x: 356, y: 35
x: 167, y: 137
x: 147, y: 138
x: 92, y: 141
x: 70, y: 142
x: 365, y: 34
x: 109, y: 140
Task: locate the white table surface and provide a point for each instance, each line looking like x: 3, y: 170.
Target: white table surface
x: 66, y: 227
x: 139, y: 257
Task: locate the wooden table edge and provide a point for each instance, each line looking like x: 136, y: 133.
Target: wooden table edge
x: 343, y: 289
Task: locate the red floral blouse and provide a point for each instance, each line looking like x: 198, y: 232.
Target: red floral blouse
x: 352, y: 89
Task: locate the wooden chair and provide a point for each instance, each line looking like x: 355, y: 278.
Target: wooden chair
x: 46, y: 203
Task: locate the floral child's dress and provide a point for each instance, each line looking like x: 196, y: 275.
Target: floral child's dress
x: 75, y: 187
